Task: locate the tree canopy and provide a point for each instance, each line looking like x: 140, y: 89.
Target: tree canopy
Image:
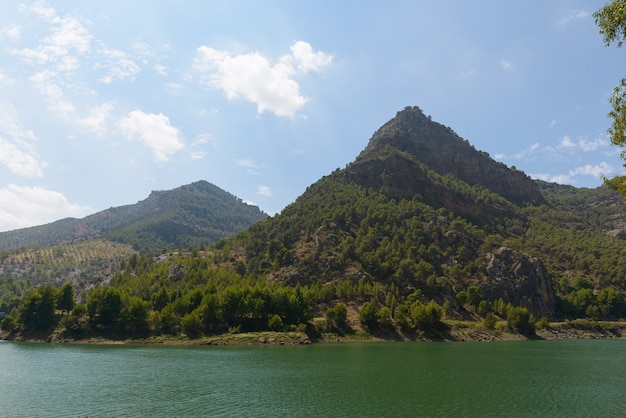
x: 611, y: 19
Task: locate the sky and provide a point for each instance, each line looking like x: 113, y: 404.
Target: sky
x: 102, y: 102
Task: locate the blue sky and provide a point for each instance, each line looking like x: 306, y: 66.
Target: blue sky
x: 102, y: 102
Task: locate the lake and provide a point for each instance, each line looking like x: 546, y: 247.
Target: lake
x: 584, y: 378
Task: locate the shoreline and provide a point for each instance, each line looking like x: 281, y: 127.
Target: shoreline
x: 467, y: 331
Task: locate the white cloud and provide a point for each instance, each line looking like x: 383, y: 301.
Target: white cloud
x: 582, y: 144
x: 557, y: 178
x: 265, y: 191
x: 155, y: 131
x: 592, y: 145
x: 197, y: 155
x: 116, y: 64
x: 306, y: 59
x: 249, y: 165
x: 58, y: 55
x: 21, y: 207
x: 567, y: 143
x: 573, y: 15
x: 597, y: 171
x: 520, y: 155
x: 143, y: 48
x: 160, y: 69
x: 249, y: 202
x: 565, y: 148
x: 203, y: 138
x: 68, y: 36
x: 10, y: 125
x: 46, y: 82
x: 13, y: 32
x: 251, y: 76
x: 19, y: 161
x: 17, y: 151
x: 97, y: 118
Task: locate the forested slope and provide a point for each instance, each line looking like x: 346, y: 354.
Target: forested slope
x: 395, y: 238
x: 194, y: 214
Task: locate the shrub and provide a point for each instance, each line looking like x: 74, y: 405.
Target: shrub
x: 490, y: 321
x: 8, y: 324
x: 275, y: 323
x: 543, y: 323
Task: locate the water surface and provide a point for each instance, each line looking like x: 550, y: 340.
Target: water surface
x: 526, y: 378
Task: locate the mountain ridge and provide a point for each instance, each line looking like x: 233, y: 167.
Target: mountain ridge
x: 193, y: 214
x: 419, y: 227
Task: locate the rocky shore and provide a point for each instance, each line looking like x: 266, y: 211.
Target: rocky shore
x: 573, y: 330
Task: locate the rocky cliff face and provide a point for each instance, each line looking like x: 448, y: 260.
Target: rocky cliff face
x: 443, y: 151
x: 519, y: 280
x: 398, y: 176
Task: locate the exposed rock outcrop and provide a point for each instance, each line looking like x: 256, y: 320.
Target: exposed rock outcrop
x: 520, y: 280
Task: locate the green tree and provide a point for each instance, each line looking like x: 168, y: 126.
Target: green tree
x: 337, y: 316
x: 611, y: 19
x: 384, y: 318
x: 134, y: 315
x: 104, y: 305
x: 80, y: 310
x: 474, y: 296
x: 66, y: 299
x: 170, y: 322
x: 191, y: 324
x: 520, y: 320
x: 8, y: 324
x: 37, y: 309
x: 611, y: 301
x: 369, y: 315
x: 160, y: 299
x: 426, y: 317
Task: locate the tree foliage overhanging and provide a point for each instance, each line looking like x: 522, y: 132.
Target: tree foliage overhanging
x: 611, y: 19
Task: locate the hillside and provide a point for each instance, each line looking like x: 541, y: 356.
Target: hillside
x: 421, y: 226
x: 196, y: 214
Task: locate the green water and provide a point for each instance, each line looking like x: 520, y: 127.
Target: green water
x: 529, y: 378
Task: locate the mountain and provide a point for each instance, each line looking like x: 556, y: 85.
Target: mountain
x: 398, y: 154
x: 421, y: 210
x: 419, y: 226
x: 191, y: 215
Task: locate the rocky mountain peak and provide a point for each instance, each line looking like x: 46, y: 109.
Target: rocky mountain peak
x: 415, y: 135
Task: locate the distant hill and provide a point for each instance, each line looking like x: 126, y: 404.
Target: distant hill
x: 191, y: 215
